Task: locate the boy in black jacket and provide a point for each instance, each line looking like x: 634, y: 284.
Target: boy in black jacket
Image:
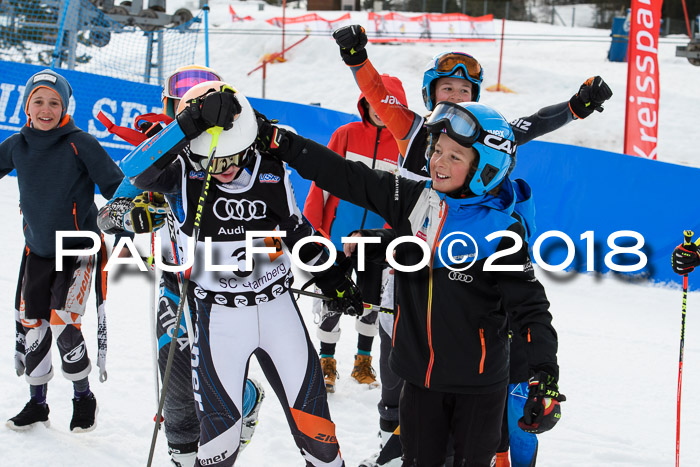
x: 450, y: 340
x: 57, y: 166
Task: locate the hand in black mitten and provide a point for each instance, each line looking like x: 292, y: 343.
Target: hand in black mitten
x: 541, y: 411
x: 685, y: 258
x: 352, y: 41
x: 335, y: 283
x: 271, y: 139
x: 214, y: 109
x: 590, y: 96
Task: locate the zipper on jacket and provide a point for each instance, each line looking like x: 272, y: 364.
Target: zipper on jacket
x: 398, y: 315
x: 483, y: 350
x: 75, y: 216
x: 374, y: 163
x: 430, y: 294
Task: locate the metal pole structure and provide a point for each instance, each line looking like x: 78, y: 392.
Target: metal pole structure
x: 160, y: 55
x: 464, y: 7
x: 573, y: 16
x: 500, y: 57
x: 284, y: 26
x: 59, y: 39
x: 687, y: 22
x: 444, y: 6
x: 206, y: 34
x: 507, y: 9
x: 149, y: 58
x: 425, y: 6
x: 486, y: 6
x: 553, y: 11
x: 264, y: 76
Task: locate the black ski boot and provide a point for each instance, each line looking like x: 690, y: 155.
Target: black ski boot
x: 84, y: 413
x: 31, y: 413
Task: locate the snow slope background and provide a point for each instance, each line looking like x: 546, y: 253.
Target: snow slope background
x: 619, y: 342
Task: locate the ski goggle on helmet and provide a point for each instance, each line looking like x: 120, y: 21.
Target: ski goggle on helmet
x: 455, y: 64
x: 235, y: 146
x: 180, y: 81
x: 478, y: 126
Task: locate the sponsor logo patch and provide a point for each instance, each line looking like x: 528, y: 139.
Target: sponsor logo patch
x: 76, y: 354
x: 269, y: 178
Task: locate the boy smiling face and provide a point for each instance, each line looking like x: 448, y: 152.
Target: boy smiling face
x: 450, y: 164
x: 45, y: 109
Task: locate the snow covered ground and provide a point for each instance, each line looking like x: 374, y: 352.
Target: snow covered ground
x: 619, y: 342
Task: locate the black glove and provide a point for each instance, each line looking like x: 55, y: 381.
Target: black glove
x: 352, y: 41
x: 685, y: 258
x: 271, y: 139
x: 541, y: 411
x: 335, y: 283
x: 213, y: 109
x: 590, y: 96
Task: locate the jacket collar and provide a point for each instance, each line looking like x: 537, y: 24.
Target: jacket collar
x: 39, y: 140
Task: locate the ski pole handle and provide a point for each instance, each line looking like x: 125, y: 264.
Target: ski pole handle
x: 687, y: 237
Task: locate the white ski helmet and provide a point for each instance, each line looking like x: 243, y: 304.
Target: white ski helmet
x: 234, y: 145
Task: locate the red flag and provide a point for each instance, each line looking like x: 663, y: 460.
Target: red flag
x: 234, y: 16
x: 642, y: 110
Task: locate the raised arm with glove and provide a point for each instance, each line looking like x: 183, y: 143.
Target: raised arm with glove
x: 590, y: 96
x: 213, y: 109
x: 352, y: 41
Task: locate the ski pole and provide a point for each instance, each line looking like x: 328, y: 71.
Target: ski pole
x: 687, y: 239
x: 153, y: 309
x: 323, y: 297
x: 214, y: 132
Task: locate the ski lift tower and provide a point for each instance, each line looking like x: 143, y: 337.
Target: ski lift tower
x: 152, y: 20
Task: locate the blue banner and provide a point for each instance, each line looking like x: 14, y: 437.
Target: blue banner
x: 578, y: 190
x: 122, y: 101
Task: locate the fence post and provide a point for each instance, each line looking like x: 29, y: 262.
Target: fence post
x: 486, y: 6
x: 573, y: 16
x: 264, y: 76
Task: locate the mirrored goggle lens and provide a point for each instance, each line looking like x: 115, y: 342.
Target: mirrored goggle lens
x: 222, y: 164
x: 456, y: 121
x: 179, y: 83
x: 453, y: 62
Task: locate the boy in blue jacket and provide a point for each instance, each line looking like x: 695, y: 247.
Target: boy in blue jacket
x: 57, y: 166
x: 450, y: 341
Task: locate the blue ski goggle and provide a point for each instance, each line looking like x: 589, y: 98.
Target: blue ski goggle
x: 462, y: 126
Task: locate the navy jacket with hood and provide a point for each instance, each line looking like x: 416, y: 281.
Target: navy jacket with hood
x: 56, y: 172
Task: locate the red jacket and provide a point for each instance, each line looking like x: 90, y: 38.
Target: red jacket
x: 358, y: 141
